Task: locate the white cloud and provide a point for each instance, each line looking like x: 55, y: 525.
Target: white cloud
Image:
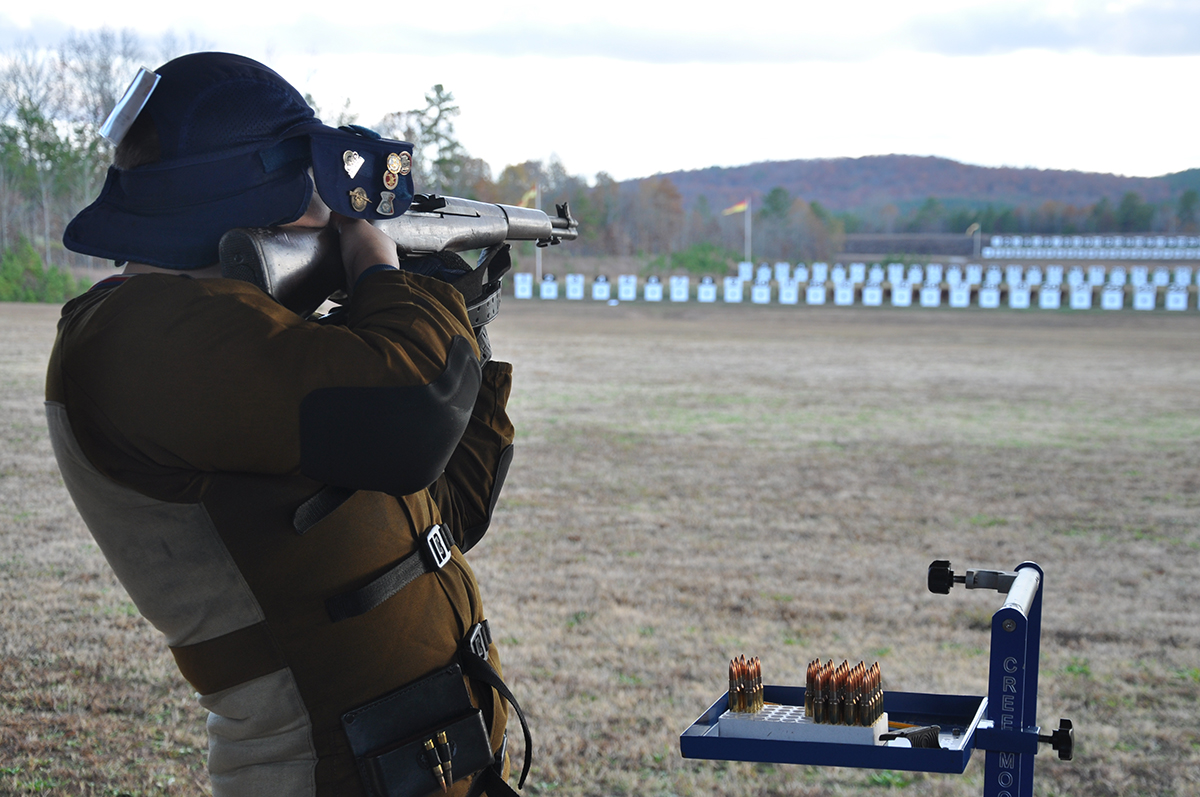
x: 1132, y: 28
x: 655, y: 33
x: 635, y: 88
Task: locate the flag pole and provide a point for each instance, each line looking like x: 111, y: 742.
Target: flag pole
x: 748, y: 229
x: 537, y: 250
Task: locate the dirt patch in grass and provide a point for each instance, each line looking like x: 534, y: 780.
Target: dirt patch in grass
x: 692, y: 483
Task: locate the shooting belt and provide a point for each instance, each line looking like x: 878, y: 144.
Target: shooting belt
x: 481, y: 287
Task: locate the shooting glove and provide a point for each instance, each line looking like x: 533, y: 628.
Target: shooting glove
x: 475, y: 284
x: 446, y: 266
x: 479, y: 286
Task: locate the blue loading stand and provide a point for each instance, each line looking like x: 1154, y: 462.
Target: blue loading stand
x: 1003, y: 724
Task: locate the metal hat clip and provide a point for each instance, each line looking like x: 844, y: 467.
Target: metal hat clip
x: 130, y: 105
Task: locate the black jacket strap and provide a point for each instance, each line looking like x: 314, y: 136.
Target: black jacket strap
x: 477, y: 666
x: 433, y: 551
x: 320, y: 506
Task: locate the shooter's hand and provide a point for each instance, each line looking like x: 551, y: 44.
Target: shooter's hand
x: 363, y: 246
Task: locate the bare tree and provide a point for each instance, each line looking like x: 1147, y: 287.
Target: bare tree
x: 33, y: 76
x: 98, y: 65
x: 52, y: 103
x: 33, y: 95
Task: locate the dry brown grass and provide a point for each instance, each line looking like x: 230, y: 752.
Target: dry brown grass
x: 696, y: 482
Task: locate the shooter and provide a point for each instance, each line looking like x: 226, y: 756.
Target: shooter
x: 287, y: 502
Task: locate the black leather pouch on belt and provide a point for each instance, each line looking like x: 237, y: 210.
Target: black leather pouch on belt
x: 391, y: 737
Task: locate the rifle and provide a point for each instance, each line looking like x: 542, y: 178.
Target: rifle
x: 300, y: 269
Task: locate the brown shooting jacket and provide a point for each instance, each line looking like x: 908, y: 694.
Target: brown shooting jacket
x: 192, y: 417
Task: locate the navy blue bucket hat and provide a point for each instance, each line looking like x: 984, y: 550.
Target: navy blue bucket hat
x: 236, y: 142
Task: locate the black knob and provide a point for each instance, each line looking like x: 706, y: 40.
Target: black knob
x: 1062, y: 740
x: 941, y: 577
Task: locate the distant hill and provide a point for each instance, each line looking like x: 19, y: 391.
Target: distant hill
x: 905, y: 180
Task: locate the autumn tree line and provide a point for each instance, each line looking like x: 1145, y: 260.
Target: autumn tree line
x: 53, y: 161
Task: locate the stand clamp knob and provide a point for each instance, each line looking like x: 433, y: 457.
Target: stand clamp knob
x: 1062, y: 740
x: 941, y: 577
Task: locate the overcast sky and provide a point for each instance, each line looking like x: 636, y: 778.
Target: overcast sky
x: 635, y: 88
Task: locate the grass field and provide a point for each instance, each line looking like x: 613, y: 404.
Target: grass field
x: 693, y: 483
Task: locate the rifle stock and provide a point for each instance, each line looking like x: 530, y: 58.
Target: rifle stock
x: 300, y: 269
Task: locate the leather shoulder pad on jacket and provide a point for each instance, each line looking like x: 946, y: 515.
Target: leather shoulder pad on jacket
x: 395, y: 440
